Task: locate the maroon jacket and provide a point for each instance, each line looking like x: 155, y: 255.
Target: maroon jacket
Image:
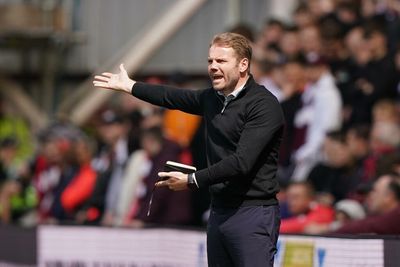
x: 384, y: 224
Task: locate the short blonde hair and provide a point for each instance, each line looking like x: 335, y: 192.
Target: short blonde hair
x: 240, y: 44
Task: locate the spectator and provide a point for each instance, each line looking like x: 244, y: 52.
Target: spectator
x: 269, y: 74
x: 346, y: 211
x: 319, y: 114
x: 243, y: 29
x: 337, y: 175
x: 385, y: 110
x: 266, y: 46
x: 292, y: 87
x: 356, y: 46
x: 290, y: 45
x: 311, y: 43
x: 348, y: 14
x: 8, y: 153
x: 75, y: 191
x: 319, y: 8
x: 303, y: 17
x: 304, y: 208
x: 383, y: 207
x: 8, y: 184
x: 357, y: 140
x: 110, y: 166
x: 384, y: 141
x: 385, y: 138
x: 375, y: 78
x: 168, y: 207
x: 358, y: 143
x: 51, y: 167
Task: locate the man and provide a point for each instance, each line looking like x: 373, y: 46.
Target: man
x: 384, y: 208
x: 306, y: 211
x: 319, y: 114
x: 244, y: 128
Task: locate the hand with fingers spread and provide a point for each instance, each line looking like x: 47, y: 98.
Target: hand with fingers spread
x: 177, y: 181
x: 118, y: 82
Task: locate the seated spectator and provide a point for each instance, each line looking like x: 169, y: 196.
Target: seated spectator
x: 383, y: 207
x: 302, y: 204
x: 337, y: 175
x: 346, y: 210
x: 384, y: 143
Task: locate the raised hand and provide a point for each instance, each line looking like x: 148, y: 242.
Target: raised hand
x: 118, y: 82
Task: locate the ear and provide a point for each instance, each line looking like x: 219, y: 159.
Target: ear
x: 244, y: 65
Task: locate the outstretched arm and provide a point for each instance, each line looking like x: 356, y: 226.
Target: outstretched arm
x: 119, y: 82
x: 160, y: 95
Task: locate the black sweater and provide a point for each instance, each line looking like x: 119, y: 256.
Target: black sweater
x: 242, y: 142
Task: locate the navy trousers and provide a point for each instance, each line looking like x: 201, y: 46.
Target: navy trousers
x: 244, y: 236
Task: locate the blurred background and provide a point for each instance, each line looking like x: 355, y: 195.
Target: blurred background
x: 74, y: 155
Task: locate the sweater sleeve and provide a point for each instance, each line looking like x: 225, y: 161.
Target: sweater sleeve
x: 186, y: 100
x: 264, y: 122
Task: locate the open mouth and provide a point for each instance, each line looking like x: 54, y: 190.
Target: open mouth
x: 217, y: 77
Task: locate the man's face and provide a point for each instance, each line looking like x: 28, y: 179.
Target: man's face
x: 357, y: 146
x: 111, y: 132
x: 224, y: 68
x: 298, y: 199
x: 337, y: 153
x: 313, y: 73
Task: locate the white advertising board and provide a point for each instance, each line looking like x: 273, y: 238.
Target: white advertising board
x: 110, y: 247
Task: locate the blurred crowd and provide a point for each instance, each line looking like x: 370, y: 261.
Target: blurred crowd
x: 335, y: 70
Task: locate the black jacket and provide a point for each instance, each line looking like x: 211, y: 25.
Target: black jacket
x: 242, y: 142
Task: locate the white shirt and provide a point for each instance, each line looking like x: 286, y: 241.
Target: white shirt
x: 321, y: 113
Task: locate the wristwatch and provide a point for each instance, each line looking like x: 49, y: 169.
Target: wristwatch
x: 191, y: 183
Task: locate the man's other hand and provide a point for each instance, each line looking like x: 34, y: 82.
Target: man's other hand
x: 176, y: 181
